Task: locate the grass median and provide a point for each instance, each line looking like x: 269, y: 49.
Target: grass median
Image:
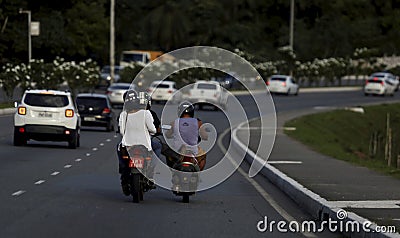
x: 6, y: 105
x: 359, y: 138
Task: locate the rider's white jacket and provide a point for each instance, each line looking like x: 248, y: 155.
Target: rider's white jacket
x: 136, y: 127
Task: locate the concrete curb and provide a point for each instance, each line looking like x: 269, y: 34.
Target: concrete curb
x: 7, y: 111
x: 307, y: 90
x: 314, y: 204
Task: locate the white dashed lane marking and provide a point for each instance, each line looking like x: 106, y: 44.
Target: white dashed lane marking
x: 39, y: 182
x: 18, y: 193
x: 55, y: 173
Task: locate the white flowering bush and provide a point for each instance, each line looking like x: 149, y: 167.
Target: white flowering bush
x: 43, y: 75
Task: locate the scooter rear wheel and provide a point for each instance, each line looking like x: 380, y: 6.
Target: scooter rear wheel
x: 185, y: 198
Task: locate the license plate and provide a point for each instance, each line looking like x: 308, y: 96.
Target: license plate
x: 89, y: 119
x: 45, y: 114
x: 136, y: 163
x: 159, y: 96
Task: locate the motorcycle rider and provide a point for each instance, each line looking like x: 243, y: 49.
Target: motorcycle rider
x: 136, y: 124
x: 186, y: 132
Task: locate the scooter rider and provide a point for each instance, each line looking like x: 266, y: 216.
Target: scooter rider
x: 136, y: 124
x: 187, y: 131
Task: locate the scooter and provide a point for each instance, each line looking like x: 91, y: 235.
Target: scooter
x: 185, y: 181
x: 185, y: 176
x: 140, y: 165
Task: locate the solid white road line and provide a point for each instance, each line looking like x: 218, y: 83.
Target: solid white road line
x: 284, y: 162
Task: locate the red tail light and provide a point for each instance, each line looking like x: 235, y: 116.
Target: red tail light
x: 106, y: 110
x: 284, y: 84
x: 21, y: 130
x: 170, y: 91
x: 267, y: 82
x: 136, y: 152
x: 185, y: 165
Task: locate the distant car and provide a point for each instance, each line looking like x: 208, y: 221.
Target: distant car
x: 95, y: 110
x: 283, y: 84
x: 164, y: 91
x: 208, y: 93
x: 47, y: 115
x: 387, y: 76
x: 379, y: 86
x: 105, y: 73
x: 226, y: 82
x: 116, y: 92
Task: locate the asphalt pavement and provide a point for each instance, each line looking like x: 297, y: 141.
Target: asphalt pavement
x: 50, y: 190
x: 324, y: 185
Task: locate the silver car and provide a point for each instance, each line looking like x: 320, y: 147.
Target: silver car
x: 116, y: 92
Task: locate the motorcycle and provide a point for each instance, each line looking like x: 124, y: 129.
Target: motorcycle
x: 140, y: 166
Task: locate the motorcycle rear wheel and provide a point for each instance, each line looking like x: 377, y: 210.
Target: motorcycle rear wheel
x: 136, y: 189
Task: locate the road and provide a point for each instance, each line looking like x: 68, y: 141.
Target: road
x: 49, y: 190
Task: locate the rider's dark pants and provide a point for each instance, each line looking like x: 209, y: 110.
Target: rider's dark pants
x: 124, y: 169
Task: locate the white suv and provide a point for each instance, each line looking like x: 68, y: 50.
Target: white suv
x: 47, y: 115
